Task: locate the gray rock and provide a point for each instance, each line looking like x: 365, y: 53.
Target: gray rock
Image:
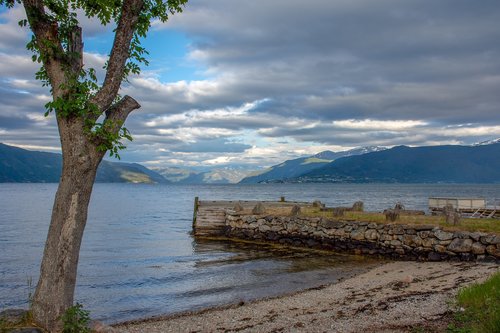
x: 398, y: 230
x: 493, y: 250
x: 371, y: 234
x: 395, y: 242
x: 461, y: 234
x: 385, y: 237
x: 443, y: 235
x: 412, y: 240
x: 460, y: 245
x: 238, y: 207
x: 358, y: 234
x: 477, y: 235
x: 295, y: 210
x: 424, y: 234
x: 410, y: 231
x: 478, y: 248
x: 358, y: 206
x: 440, y: 248
x: 264, y: 228
x: 317, y: 204
x: 328, y: 224
x: 428, y: 242
x: 259, y: 209
x: 490, y: 239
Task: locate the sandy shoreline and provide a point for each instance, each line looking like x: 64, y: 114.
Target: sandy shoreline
x: 390, y: 298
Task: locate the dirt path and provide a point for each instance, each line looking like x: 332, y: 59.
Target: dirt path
x: 390, y: 298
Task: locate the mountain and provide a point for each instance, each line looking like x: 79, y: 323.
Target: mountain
x: 226, y: 175
x: 489, y: 142
x: 402, y: 164
x: 299, y: 166
x: 25, y: 166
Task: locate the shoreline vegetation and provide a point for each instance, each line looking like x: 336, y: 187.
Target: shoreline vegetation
x: 490, y: 225
x: 396, y: 296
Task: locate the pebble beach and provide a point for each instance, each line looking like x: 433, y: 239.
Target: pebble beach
x: 394, y: 297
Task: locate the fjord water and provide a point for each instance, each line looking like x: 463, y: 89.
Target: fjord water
x: 138, y: 258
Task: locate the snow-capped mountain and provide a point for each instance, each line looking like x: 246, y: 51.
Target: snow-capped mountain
x: 488, y: 142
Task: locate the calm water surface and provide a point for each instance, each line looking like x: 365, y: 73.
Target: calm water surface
x: 138, y: 259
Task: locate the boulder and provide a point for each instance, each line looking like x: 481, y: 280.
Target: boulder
x: 493, y: 250
x: 317, y: 204
x: 391, y: 214
x: 460, y: 245
x: 478, y: 248
x: 259, y: 209
x: 443, y: 235
x: 358, y: 234
x: 412, y: 240
x: 238, y: 207
x: 358, y: 206
x: 440, y: 248
x: 490, y: 239
x: 371, y: 234
x: 295, y: 210
x: 428, y: 242
x: 477, y: 235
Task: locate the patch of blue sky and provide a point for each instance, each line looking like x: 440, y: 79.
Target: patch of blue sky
x: 169, y: 57
x: 168, y: 54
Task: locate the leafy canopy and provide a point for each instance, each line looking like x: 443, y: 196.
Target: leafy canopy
x: 81, y: 86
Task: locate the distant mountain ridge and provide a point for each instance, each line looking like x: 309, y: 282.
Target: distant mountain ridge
x: 488, y: 142
x: 299, y: 166
x: 214, y: 176
x: 402, y: 164
x: 24, y: 166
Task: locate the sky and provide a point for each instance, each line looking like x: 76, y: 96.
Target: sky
x: 253, y: 83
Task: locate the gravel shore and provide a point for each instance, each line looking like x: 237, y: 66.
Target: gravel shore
x: 393, y: 297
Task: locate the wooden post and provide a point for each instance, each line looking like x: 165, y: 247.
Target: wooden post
x: 195, y: 211
x: 282, y: 199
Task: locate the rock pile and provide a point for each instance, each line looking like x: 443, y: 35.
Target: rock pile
x: 422, y: 242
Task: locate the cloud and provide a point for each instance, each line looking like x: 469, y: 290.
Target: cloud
x: 285, y: 78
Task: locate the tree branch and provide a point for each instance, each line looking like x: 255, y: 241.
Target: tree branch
x: 119, y: 54
x: 75, y: 50
x: 49, y: 45
x: 118, y: 113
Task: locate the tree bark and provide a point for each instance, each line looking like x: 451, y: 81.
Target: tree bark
x: 55, y: 289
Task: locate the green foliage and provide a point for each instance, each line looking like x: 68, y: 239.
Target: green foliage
x: 79, y: 88
x: 109, y: 140
x: 76, y: 320
x: 481, y: 308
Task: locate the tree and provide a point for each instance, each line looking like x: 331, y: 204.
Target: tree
x: 90, y: 118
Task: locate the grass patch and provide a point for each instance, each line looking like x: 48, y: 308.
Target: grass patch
x: 24, y: 321
x: 481, y: 304
x: 466, y: 224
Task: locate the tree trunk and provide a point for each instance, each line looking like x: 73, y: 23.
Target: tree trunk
x: 55, y: 288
